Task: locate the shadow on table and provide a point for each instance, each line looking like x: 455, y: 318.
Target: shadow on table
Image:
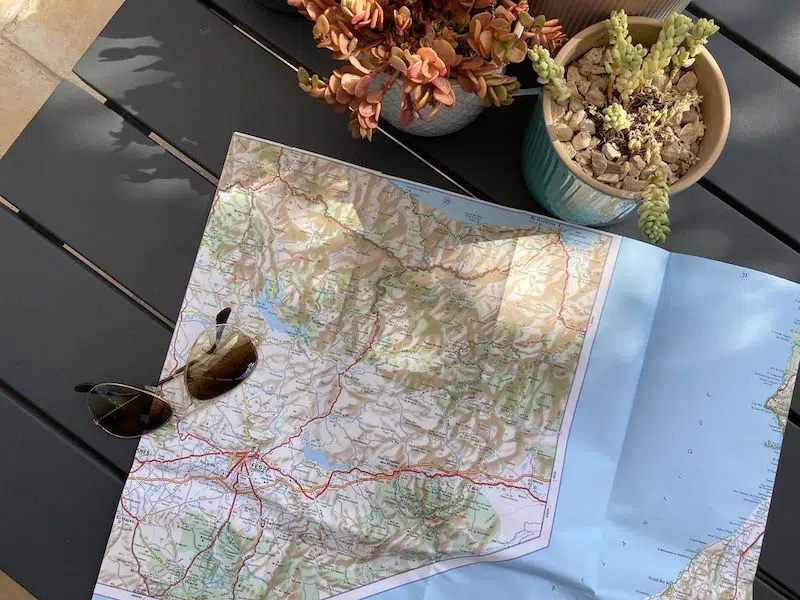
x: 194, y: 79
x: 109, y: 192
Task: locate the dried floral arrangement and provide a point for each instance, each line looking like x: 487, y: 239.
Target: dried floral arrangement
x: 424, y: 45
x: 630, y: 117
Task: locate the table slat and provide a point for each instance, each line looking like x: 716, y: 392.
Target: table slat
x: 771, y: 26
x: 290, y: 33
x: 778, y: 553
x: 195, y: 80
x: 56, y: 507
x: 762, y: 591
x: 111, y: 193
x: 62, y: 325
x: 758, y: 166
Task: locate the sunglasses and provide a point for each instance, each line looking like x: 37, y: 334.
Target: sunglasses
x: 221, y: 358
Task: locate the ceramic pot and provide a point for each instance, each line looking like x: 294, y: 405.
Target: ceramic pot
x: 560, y: 185
x: 447, y: 120
x: 576, y: 15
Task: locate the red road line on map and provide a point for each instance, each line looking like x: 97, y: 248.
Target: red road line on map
x: 176, y: 459
x: 133, y: 540
x: 564, y: 291
x: 394, y: 474
x: 205, y: 441
x: 260, y: 533
x: 237, y: 464
x: 785, y: 385
x: 739, y: 564
x: 175, y: 347
x: 297, y: 483
x: 397, y: 472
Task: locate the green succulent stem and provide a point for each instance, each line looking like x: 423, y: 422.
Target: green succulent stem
x: 623, y: 57
x: 671, y: 36
x: 550, y: 74
x: 695, y: 40
x: 616, y: 118
x: 653, y: 220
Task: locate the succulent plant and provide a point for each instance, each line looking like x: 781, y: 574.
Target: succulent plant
x: 671, y: 36
x: 423, y: 45
x: 645, y: 111
x: 623, y: 58
x: 695, y: 40
x: 653, y: 219
x: 549, y: 36
x: 550, y: 74
x: 615, y: 117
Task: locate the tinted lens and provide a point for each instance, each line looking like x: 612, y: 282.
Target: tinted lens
x: 221, y: 358
x: 126, y: 411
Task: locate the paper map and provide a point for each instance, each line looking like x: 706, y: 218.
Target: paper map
x: 455, y: 399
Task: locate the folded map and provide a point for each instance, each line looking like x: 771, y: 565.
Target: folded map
x: 454, y: 399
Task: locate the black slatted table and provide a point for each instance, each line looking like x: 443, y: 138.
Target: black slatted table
x: 89, y: 182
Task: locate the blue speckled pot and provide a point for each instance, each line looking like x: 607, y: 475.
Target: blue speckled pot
x: 558, y: 189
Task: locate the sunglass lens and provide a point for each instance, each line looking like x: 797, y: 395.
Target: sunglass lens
x: 126, y: 411
x: 221, y: 358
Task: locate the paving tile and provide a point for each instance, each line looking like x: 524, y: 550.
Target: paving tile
x: 8, y: 10
x: 10, y: 590
x: 32, y: 84
x: 58, y: 32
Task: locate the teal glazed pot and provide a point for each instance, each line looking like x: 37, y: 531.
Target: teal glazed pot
x: 562, y: 188
x: 558, y: 189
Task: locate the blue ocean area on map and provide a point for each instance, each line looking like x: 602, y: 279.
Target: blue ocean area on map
x: 686, y: 411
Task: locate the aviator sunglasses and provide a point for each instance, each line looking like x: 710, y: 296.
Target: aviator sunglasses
x: 221, y: 358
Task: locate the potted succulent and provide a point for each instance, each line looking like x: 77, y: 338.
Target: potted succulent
x: 421, y: 61
x: 627, y: 126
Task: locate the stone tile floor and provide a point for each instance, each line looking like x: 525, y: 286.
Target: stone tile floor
x: 40, y: 42
x: 9, y: 590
